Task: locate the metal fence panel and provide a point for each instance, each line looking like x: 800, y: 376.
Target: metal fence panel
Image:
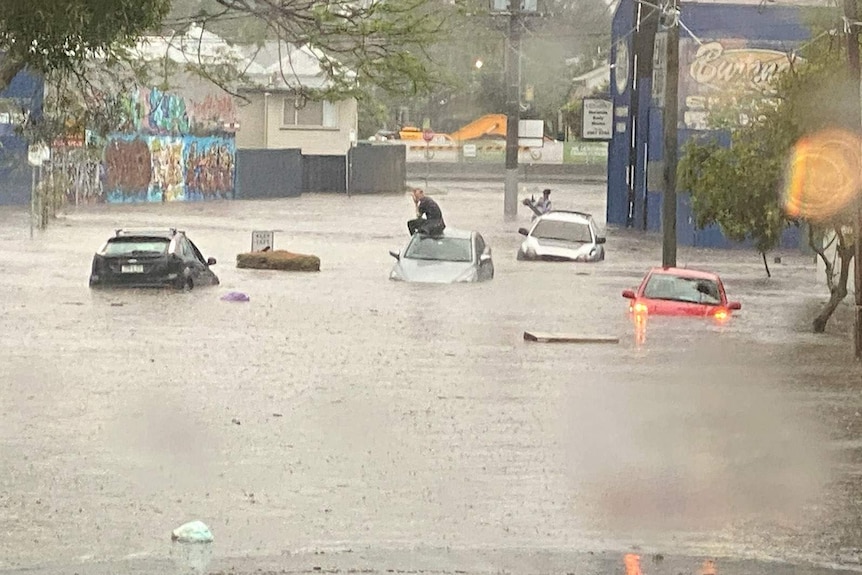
x: 326, y: 174
x: 376, y: 169
x: 268, y: 173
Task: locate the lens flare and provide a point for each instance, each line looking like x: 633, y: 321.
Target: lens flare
x: 824, y: 175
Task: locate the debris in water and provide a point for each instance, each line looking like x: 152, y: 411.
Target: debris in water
x: 234, y: 296
x: 192, y: 532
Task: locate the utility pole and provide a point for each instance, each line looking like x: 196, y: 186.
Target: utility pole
x: 513, y: 113
x: 851, y: 16
x: 668, y: 220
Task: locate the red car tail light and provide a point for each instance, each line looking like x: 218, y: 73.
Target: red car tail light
x: 639, y: 307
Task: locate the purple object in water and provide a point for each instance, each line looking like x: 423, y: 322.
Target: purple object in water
x: 234, y: 296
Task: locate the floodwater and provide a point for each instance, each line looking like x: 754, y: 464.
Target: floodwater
x: 338, y: 411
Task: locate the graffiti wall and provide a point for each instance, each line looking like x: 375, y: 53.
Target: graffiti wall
x: 169, y: 168
x: 170, y: 148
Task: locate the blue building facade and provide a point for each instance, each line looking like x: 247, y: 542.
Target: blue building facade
x: 727, y: 51
x: 23, y: 97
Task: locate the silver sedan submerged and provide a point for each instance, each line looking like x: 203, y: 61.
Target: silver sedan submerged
x: 562, y: 236
x: 451, y: 257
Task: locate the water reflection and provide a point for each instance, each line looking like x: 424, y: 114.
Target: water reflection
x: 191, y: 558
x: 632, y: 563
x: 639, y: 319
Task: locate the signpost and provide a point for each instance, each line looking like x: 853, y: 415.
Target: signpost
x: 262, y: 240
x: 36, y: 155
x: 427, y: 135
x: 531, y: 133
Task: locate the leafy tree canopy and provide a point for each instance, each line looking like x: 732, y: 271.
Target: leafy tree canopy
x: 60, y: 36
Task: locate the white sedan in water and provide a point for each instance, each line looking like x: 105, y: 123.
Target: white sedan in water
x: 451, y: 257
x: 562, y: 236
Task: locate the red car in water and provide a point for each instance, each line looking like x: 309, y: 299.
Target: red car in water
x: 683, y: 292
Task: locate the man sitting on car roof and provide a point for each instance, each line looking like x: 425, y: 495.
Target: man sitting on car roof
x: 432, y: 223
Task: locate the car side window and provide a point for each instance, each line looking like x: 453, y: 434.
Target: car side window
x: 188, y: 254
x: 480, y: 245
x: 197, y: 253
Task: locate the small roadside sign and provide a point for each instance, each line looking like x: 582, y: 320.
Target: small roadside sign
x: 427, y: 134
x: 262, y: 240
x: 37, y: 154
x: 598, y: 119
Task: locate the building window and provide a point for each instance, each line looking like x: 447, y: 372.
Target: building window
x: 307, y: 113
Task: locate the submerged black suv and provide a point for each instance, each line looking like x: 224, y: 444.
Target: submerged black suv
x: 151, y: 259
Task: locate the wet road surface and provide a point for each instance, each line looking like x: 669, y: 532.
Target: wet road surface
x: 339, y: 410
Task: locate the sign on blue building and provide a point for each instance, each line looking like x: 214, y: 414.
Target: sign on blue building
x: 728, y: 55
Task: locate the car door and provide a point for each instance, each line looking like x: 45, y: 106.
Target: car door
x: 206, y: 275
x: 194, y: 266
x: 483, y: 256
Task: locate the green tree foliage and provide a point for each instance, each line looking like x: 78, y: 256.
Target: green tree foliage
x: 51, y: 36
x: 564, y: 39
x: 421, y: 54
x: 740, y: 187
x: 359, y: 45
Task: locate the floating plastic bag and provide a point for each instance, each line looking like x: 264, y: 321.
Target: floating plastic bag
x: 192, y: 532
x: 234, y: 296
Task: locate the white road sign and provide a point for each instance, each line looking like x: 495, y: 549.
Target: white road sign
x: 260, y: 240
x: 598, y: 119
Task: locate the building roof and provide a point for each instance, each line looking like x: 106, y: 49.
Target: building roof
x: 596, y: 77
x: 274, y: 65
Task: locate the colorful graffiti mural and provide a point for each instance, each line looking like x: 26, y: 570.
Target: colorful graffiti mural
x: 170, y: 149
x: 169, y: 168
x: 156, y: 112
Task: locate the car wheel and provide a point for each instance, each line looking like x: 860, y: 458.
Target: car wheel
x: 520, y: 257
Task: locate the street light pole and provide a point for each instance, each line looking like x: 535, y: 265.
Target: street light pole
x: 668, y: 221
x: 513, y: 104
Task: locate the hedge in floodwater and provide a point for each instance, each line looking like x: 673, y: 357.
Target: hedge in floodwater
x: 278, y: 260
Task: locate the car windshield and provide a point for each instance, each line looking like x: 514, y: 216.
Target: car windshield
x: 439, y: 248
x: 684, y: 289
x: 136, y: 247
x: 563, y: 231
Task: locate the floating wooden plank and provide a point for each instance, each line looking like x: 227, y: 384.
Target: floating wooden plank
x: 545, y: 337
